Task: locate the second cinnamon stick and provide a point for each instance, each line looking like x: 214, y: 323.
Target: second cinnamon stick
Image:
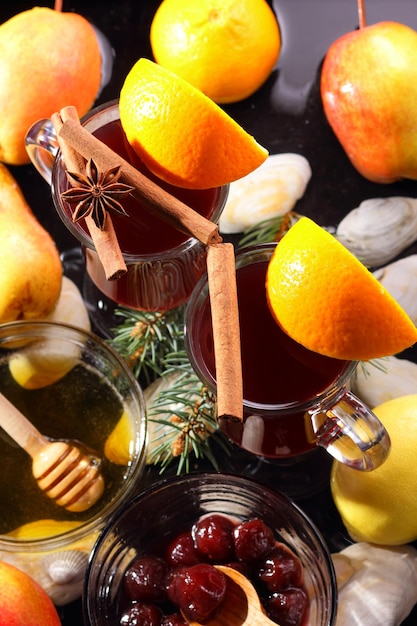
x: 221, y: 272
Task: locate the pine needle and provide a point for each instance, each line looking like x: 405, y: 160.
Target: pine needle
x: 269, y: 230
x: 144, y: 339
x: 152, y: 343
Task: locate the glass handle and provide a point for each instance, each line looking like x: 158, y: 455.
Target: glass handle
x: 42, y: 146
x: 351, y: 433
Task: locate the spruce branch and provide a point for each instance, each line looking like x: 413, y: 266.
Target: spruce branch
x: 182, y: 414
x: 379, y: 364
x: 268, y: 230
x: 184, y: 421
x: 144, y: 339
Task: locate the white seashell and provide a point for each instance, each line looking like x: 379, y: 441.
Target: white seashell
x: 59, y: 573
x: 381, y: 380
x: 270, y: 190
x: 44, y: 362
x: 379, y: 229
x: 70, y: 307
x: 62, y: 592
x: 376, y: 585
x: 65, y: 566
x: 400, y: 280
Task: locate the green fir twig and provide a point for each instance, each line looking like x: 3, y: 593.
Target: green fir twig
x: 183, y: 412
x: 379, y: 364
x: 268, y: 230
x: 184, y: 418
x: 144, y: 339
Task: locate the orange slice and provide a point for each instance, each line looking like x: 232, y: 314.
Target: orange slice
x: 180, y: 134
x: 326, y: 300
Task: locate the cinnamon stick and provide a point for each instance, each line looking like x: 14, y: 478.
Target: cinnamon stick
x: 226, y: 333
x: 105, y: 241
x: 166, y: 206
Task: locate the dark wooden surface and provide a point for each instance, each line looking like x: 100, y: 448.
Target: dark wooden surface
x: 285, y: 115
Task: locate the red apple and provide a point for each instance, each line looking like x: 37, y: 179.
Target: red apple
x: 23, y: 602
x: 369, y: 94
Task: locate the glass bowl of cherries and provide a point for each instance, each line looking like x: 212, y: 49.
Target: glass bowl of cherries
x: 156, y: 562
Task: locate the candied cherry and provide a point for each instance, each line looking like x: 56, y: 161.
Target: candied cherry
x: 197, y: 590
x: 144, y: 581
x: 142, y: 615
x: 173, y: 619
x: 213, y: 537
x: 182, y: 551
x: 280, y: 569
x: 253, y: 540
x: 241, y: 567
x: 288, y: 608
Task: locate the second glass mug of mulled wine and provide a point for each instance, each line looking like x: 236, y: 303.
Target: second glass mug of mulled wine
x: 294, y: 400
x: 163, y: 264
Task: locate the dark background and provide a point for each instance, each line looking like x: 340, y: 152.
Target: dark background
x: 285, y: 115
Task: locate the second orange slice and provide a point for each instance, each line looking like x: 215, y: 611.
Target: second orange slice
x: 326, y: 300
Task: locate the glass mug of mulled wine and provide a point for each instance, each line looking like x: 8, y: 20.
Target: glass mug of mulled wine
x: 295, y: 400
x: 163, y: 264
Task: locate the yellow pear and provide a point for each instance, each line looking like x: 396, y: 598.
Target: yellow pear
x: 31, y: 270
x: 48, y: 60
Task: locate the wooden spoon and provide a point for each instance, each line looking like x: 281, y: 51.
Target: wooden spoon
x: 241, y: 605
x: 67, y: 474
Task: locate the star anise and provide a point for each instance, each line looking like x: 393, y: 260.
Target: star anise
x: 96, y: 193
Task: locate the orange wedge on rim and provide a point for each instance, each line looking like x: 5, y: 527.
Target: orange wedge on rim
x: 328, y: 301
x: 180, y: 134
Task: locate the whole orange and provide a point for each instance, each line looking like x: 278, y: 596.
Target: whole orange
x: 23, y: 602
x: 225, y: 48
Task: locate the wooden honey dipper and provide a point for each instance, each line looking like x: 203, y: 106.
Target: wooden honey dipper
x: 66, y: 473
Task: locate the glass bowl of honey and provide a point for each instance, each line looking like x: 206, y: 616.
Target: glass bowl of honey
x: 73, y: 387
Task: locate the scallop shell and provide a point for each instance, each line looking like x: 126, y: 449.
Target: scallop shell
x: 379, y: 229
x: 66, y: 566
x: 381, y: 380
x: 400, y: 280
x: 376, y: 585
x: 269, y: 191
x: 60, y: 574
x: 42, y: 363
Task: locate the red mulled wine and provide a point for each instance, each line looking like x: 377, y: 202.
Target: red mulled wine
x: 163, y: 263
x: 279, y: 375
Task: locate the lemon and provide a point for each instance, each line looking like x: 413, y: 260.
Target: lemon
x: 380, y: 506
x: 118, y: 447
x: 40, y: 529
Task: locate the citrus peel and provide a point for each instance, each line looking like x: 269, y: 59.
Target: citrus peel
x: 324, y: 298
x: 381, y: 506
x: 180, y: 134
